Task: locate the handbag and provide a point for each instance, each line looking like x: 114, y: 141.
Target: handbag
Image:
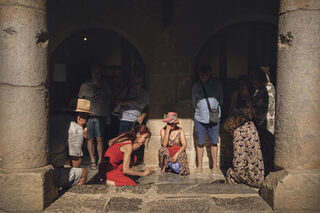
x: 213, y: 112
x: 176, y: 167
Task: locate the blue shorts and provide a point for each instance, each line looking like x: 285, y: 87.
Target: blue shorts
x: 125, y: 126
x: 201, y: 130
x: 96, y: 126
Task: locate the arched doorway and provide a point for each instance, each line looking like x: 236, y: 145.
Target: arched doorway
x: 237, y: 50
x: 71, y: 61
x: 234, y: 51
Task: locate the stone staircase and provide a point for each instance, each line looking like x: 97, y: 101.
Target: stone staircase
x: 163, y: 193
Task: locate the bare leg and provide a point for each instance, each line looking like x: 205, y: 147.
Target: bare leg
x: 110, y: 182
x: 214, y: 150
x: 90, y: 146
x: 199, y: 157
x: 75, y: 161
x: 100, y: 148
x: 83, y: 177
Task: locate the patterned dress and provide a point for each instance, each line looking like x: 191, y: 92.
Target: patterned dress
x: 247, y: 162
x: 165, y: 154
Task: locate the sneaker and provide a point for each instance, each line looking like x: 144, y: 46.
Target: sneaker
x: 198, y: 170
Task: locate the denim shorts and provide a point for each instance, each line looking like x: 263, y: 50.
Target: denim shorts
x: 125, y: 126
x: 201, y: 130
x: 96, y: 126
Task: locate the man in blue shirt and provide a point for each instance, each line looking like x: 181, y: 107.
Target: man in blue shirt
x: 202, y: 123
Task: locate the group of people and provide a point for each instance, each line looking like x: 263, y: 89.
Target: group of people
x: 249, y: 122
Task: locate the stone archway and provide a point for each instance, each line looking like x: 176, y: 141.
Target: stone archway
x: 233, y: 51
x: 71, y: 60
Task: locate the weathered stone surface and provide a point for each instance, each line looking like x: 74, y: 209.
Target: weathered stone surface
x: 23, y: 129
x: 291, y: 5
x: 26, y: 190
x: 121, y: 204
x: 78, y: 203
x: 297, y: 104
x: 242, y: 203
x: 34, y: 4
x: 184, y: 89
x: 89, y: 189
x: 23, y: 36
x: 293, y: 189
x: 139, y: 189
x: 151, y: 151
x: 179, y: 205
x: 162, y: 90
x: 204, y: 189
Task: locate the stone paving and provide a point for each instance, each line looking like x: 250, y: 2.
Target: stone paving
x: 163, y: 193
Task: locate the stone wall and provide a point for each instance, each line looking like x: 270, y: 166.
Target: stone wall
x: 169, y: 52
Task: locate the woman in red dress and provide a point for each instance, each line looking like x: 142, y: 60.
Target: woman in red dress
x: 119, y: 158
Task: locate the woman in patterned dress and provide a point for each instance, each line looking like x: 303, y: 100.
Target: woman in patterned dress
x: 173, y: 145
x: 247, y: 164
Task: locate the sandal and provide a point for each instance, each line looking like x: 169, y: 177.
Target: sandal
x: 93, y: 166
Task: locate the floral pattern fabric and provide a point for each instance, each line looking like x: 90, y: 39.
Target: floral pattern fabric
x: 164, y: 155
x: 247, y: 162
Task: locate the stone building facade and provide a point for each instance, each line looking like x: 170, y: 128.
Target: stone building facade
x: 169, y: 44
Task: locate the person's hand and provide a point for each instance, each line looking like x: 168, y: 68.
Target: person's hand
x: 174, y: 158
x: 140, y: 119
x: 147, y: 172
x: 168, y: 128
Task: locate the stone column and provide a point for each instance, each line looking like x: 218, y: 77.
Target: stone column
x: 25, y: 176
x: 296, y: 184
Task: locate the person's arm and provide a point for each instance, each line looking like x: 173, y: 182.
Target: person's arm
x: 127, y: 150
x: 143, y: 114
x: 123, y: 100
x: 182, y: 148
x: 165, y: 134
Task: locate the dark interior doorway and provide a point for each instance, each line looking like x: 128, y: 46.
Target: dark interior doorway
x: 71, y: 61
x: 234, y: 51
x: 237, y: 50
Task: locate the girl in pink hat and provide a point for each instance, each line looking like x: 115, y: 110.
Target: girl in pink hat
x: 173, y: 145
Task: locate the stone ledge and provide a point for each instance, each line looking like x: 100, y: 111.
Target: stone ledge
x: 27, y: 190
x: 293, y: 189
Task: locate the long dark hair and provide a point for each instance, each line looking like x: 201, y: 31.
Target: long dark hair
x: 237, y: 118
x: 132, y: 134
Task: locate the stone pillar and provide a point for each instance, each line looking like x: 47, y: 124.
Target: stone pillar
x: 25, y: 176
x: 296, y: 184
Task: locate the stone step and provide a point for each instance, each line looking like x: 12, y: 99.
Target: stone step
x: 163, y: 197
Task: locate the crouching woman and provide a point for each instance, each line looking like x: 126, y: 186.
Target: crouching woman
x: 173, y: 145
x: 247, y: 164
x: 119, y: 158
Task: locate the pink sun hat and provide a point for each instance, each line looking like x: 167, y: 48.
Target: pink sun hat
x: 171, y: 117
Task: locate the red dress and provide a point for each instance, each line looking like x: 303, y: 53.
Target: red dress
x: 112, y: 168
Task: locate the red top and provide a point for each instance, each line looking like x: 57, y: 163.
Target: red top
x: 112, y: 168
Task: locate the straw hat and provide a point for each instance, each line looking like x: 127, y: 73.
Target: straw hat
x: 78, y: 105
x: 171, y: 117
